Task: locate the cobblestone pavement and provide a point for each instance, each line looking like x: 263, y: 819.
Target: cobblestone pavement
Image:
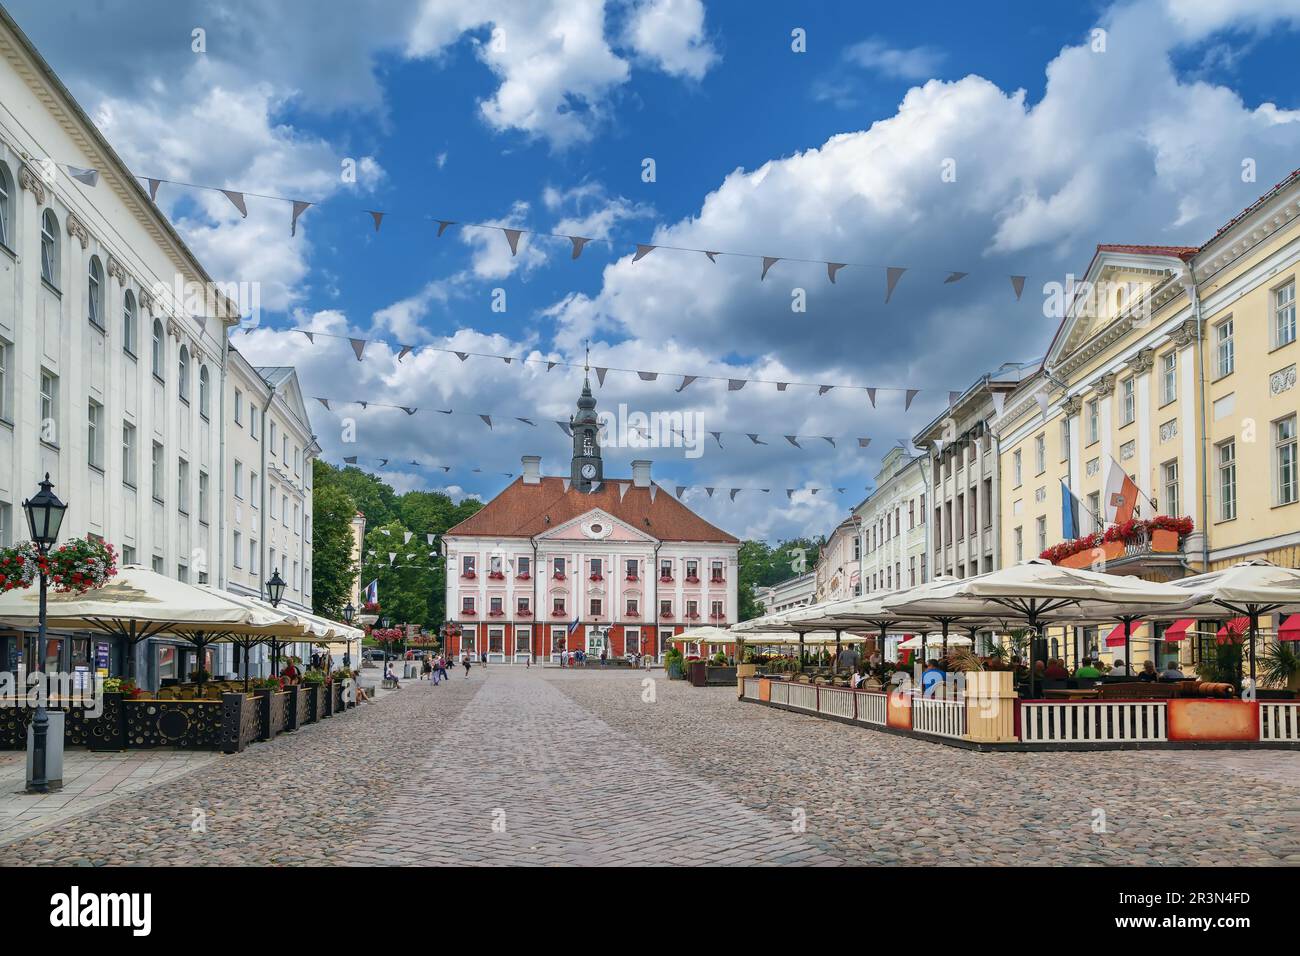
x: 881, y: 798
x: 555, y: 767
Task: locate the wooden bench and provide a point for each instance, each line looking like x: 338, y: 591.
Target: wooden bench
x: 390, y: 684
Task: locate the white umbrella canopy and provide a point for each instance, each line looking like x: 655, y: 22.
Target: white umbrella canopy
x: 917, y: 641
x: 768, y: 623
x: 136, y: 602
x: 707, y: 634
x: 1038, y: 591
x: 838, y: 614
x: 1256, y: 586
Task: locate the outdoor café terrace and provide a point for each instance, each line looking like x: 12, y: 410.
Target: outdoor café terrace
x: 1243, y: 692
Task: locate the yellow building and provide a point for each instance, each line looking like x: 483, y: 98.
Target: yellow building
x: 1180, y: 364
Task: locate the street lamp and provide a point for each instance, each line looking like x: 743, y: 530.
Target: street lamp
x: 349, y: 612
x: 275, y: 594
x: 44, y: 516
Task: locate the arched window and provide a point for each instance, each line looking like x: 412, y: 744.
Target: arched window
x: 6, y: 207
x: 158, y: 348
x: 204, y: 394
x: 128, y: 322
x: 50, y: 248
x: 183, y: 378
x: 95, y: 293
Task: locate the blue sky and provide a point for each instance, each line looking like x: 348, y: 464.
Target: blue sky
x: 539, y: 116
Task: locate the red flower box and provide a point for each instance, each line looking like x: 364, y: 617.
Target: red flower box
x: 496, y: 613
x: 666, y: 615
x: 1158, y: 529
x: 692, y: 579
x: 559, y: 614
x: 665, y: 579
x: 557, y: 576
x: 468, y: 612
x: 717, y: 580
x: 523, y: 576
x: 631, y: 614
x: 692, y: 617
x: 596, y: 577
x: 496, y: 576
x: 469, y: 576
x: 631, y: 577
x: 524, y: 612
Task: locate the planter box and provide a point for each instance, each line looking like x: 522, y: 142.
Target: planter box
x: 720, y: 676
x: 1109, y: 551
x: 1164, y: 541
x: 990, y: 706
x: 313, y: 694
x: 675, y: 671
x: 697, y: 672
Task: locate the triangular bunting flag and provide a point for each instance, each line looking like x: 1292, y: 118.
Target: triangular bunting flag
x: 789, y: 494
x: 578, y: 243
x: 406, y: 539
x: 871, y: 396
x: 325, y: 402
x: 378, y: 217
x: 551, y: 365
x: 383, y: 463
x: 408, y: 410
x: 830, y: 441
x: 236, y: 200
x: 600, y: 375
x: 892, y: 275
x: 832, y: 268
x: 392, y: 556
x: 952, y: 398
x: 153, y: 189
x: 686, y: 380
x: 311, y: 336
x: 525, y: 421
x: 708, y: 491
x: 734, y: 492
x: 566, y: 483
x: 864, y: 442
x: 755, y: 440
x: 461, y: 355
x: 648, y: 376
x: 442, y: 226
x: 792, y: 439
x: 1042, y: 400
x: 512, y: 237
x: 429, y: 540
x: 506, y: 358
x: 680, y: 489
x: 358, y: 346
x: 350, y: 460
x: 717, y: 437
x: 88, y: 176
x: 487, y: 420
x: 1018, y: 284
x: 622, y: 490
x: 654, y: 489
x: 955, y: 277
x: 823, y: 389
x: 999, y: 401
x: 938, y: 445
x: 564, y: 427
x: 735, y: 384
x: 911, y: 394
x: 385, y: 532
x: 299, y: 207
x: 642, y: 251
x: 406, y: 350
x: 768, y: 262
x: 713, y: 256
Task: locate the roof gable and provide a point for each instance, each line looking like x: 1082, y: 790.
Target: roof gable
x: 596, y: 525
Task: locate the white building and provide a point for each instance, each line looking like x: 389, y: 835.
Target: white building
x: 963, y: 475
x: 117, y: 379
x: 893, y: 526
x: 798, y: 591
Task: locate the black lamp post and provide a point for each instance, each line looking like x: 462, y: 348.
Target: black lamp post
x: 44, y: 515
x: 349, y: 612
x: 275, y: 594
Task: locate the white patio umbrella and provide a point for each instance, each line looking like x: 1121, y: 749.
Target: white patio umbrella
x: 917, y: 641
x: 136, y: 604
x: 1249, y: 589
x: 1038, y: 592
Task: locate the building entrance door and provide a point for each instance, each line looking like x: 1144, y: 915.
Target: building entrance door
x: 597, y: 641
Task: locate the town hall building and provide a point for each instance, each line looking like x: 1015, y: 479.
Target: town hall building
x: 585, y: 563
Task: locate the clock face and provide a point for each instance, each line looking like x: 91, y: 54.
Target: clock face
x: 589, y: 471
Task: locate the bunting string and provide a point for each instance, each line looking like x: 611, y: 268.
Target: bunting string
x: 512, y: 234
x: 359, y: 345
x: 623, y: 484
x: 493, y: 419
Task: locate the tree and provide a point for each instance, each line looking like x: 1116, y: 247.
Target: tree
x: 333, y: 569
x: 764, y: 566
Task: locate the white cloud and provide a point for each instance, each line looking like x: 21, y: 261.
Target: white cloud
x: 670, y: 33
x: 914, y: 63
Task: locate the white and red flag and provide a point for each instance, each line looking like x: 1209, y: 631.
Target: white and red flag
x: 1121, y: 495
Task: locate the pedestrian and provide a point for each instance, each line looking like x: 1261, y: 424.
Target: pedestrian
x: 602, y: 657
x: 442, y: 666
x: 465, y: 661
x: 426, y: 668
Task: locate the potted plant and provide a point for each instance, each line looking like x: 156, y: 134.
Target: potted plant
x: 673, y: 663
x: 1279, y: 669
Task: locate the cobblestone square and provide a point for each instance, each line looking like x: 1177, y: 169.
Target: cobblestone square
x: 555, y: 767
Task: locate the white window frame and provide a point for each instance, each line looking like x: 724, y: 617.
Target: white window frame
x: 1284, y: 305
x: 1128, y: 400
x: 130, y: 454
x: 1226, y: 473
x: 1169, y: 377
x: 94, y: 434
x: 1225, y: 350
x: 1170, y: 492
x: 1286, y: 484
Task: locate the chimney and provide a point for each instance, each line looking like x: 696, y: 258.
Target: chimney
x: 532, y: 469
x: 641, y: 474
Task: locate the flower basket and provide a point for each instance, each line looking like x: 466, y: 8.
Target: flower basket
x: 75, y: 567
x: 631, y: 577
x: 665, y: 615
x: 692, y: 579
x: 469, y: 576
x: 558, y: 576
x: 596, y: 577
x: 524, y: 612
x: 496, y: 576
x: 496, y: 613
x: 524, y: 576
x: 559, y: 614
x: 468, y: 612
x: 665, y: 579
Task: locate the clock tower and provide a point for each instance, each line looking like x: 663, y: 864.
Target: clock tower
x: 587, y: 469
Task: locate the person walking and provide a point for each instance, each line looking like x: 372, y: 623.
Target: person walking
x: 465, y: 661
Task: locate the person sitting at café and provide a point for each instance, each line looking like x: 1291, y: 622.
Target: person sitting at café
x: 932, y: 675
x: 1056, y: 670
x: 1086, y: 669
x: 1120, y: 669
x: 1148, y: 672
x: 1172, y: 672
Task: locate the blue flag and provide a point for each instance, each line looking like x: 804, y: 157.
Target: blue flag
x: 1070, y: 509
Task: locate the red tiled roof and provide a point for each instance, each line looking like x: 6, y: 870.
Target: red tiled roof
x: 521, y: 511
x: 1182, y: 252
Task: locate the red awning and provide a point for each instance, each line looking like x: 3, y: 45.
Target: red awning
x: 1177, y: 631
x: 1290, y: 629
x: 1116, y: 637
x: 1236, y: 627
